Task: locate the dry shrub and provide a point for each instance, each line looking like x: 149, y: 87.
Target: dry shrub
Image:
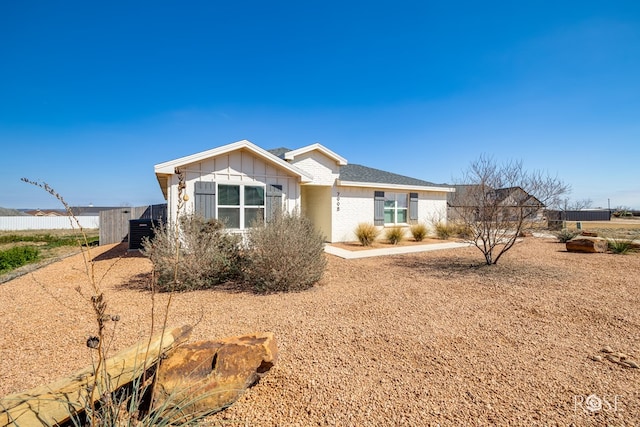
x: 446, y: 230
x: 208, y: 254
x: 443, y: 230
x: 461, y: 230
x: 285, y: 254
x: 394, y: 235
x: 366, y: 233
x: 419, y: 231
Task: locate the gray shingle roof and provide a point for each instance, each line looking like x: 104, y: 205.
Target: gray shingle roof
x: 279, y: 152
x: 358, y: 173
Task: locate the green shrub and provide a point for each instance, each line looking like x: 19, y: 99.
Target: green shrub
x: 285, y: 254
x: 565, y: 235
x: 394, y: 235
x: 366, y: 233
x: 621, y: 246
x: 208, y: 255
x: 17, y: 257
x: 50, y: 240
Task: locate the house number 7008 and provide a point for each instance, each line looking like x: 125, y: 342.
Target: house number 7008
x: 338, y: 202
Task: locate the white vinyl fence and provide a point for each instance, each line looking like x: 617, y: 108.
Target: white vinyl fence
x: 15, y: 223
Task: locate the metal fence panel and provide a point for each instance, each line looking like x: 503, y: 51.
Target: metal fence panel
x: 16, y: 223
x: 555, y: 218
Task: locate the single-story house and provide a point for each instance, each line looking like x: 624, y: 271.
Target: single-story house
x: 241, y: 182
x: 512, y: 201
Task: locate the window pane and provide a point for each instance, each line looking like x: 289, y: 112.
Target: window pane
x: 402, y: 215
x: 389, y: 204
x: 402, y: 200
x: 230, y: 216
x: 251, y: 215
x: 254, y: 196
x: 389, y: 217
x: 229, y: 195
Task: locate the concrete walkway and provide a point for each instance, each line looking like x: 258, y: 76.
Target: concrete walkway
x: 365, y: 253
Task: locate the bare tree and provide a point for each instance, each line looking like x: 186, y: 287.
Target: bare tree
x: 622, y: 211
x: 497, y: 203
x: 576, y: 205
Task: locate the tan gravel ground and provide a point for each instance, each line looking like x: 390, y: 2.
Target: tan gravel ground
x: 421, y: 339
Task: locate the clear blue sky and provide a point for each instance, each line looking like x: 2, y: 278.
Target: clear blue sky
x: 94, y: 94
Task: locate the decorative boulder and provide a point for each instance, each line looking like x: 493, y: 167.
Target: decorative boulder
x: 589, y: 233
x: 204, y: 377
x: 587, y: 244
x: 62, y: 400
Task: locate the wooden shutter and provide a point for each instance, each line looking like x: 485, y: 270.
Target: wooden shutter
x: 413, y: 206
x: 205, y: 199
x: 273, y: 200
x: 378, y: 208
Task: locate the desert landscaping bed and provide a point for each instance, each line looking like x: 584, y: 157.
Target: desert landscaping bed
x: 421, y: 339
x: 382, y: 244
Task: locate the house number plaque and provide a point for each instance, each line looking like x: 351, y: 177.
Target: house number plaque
x: 338, y: 202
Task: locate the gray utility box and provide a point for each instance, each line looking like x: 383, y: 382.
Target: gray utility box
x: 139, y: 229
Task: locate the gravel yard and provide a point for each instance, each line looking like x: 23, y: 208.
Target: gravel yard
x: 430, y: 338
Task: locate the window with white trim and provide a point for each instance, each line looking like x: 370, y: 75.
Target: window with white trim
x: 395, y: 208
x: 239, y: 205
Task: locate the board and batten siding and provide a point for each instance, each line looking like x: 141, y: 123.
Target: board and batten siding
x: 239, y: 168
x: 357, y: 204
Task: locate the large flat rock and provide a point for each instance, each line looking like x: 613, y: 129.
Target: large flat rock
x: 204, y: 377
x: 587, y: 244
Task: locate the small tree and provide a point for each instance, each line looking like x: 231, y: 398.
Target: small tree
x: 498, y: 202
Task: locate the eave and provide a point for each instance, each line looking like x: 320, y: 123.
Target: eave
x: 394, y: 186
x: 316, y: 147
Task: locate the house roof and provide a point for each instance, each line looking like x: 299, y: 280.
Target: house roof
x: 518, y: 194
x: 461, y: 195
x: 352, y: 174
x: 166, y: 169
x: 279, y: 152
x: 46, y: 212
x: 359, y: 175
x: 290, y: 155
x: 465, y: 193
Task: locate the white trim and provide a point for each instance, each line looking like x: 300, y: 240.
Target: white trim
x: 290, y: 155
x: 394, y: 186
x: 168, y: 168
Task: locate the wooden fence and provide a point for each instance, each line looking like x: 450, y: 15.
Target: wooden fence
x: 114, y: 223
